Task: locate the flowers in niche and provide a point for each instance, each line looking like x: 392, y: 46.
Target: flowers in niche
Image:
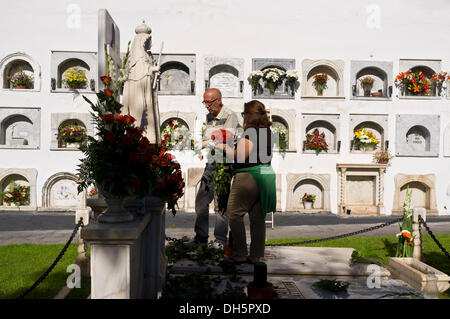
x: 16, y: 194
x: 413, y: 83
x: 309, y: 198
x: 320, y: 82
x: 72, y: 134
x: 20, y: 79
x: 363, y: 137
x: 282, y: 141
x: 176, y: 136
x: 75, y: 78
x: 316, y: 141
x: 272, y: 77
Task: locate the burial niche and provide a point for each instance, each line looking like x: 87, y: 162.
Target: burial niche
x: 420, y: 194
x: 12, y: 180
x: 308, y: 186
x: 331, y: 87
x: 280, y: 133
x: 371, y: 82
x: 225, y: 78
x: 367, y: 137
x: 60, y: 191
x: 330, y: 135
x: 175, y: 78
x: 73, y: 74
x: 18, y: 74
x: 16, y: 130
x: 418, y: 139
x: 72, y: 133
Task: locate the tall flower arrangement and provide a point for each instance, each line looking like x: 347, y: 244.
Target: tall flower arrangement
x: 316, y: 141
x: 405, y: 245
x: 273, y: 77
x: 292, y: 78
x: 223, y: 170
x: 280, y: 131
x: 121, y: 161
x: 320, y: 82
x: 440, y: 79
x: 254, y: 77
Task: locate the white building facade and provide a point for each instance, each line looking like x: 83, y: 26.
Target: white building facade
x: 218, y: 44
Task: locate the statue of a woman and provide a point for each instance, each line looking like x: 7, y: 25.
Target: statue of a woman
x: 139, y: 98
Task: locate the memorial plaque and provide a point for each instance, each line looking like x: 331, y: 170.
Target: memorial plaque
x: 177, y: 74
x: 226, y: 82
x: 174, y: 80
x: 225, y: 74
x: 64, y: 194
x: 360, y: 190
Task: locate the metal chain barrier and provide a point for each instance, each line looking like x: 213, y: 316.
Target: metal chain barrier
x: 339, y: 236
x: 61, y: 254
x: 421, y: 221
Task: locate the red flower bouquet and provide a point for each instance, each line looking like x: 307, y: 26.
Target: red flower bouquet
x: 316, y: 141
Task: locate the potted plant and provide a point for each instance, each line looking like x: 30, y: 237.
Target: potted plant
x: 413, y: 83
x: 320, y: 83
x: 367, y: 84
x: 364, y: 139
x: 273, y: 77
x: 72, y: 136
x: 308, y: 200
x: 382, y: 156
x: 75, y: 78
x: 16, y: 195
x: 21, y: 80
x: 282, y: 141
x: 316, y: 142
x: 254, y: 78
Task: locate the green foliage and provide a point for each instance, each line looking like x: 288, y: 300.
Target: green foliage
x: 405, y: 246
x: 332, y: 285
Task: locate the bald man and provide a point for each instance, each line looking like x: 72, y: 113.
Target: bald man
x: 218, y: 117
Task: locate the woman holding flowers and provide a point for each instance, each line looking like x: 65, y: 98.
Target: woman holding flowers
x: 253, y: 186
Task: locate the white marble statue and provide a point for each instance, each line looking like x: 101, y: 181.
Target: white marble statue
x: 140, y: 99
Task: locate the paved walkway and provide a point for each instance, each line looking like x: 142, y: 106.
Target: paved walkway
x: 56, y: 228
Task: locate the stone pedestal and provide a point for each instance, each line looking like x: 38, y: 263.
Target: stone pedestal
x: 127, y: 259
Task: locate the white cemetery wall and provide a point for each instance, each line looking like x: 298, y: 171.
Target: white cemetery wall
x: 353, y: 31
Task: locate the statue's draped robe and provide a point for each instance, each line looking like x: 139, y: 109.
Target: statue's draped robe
x: 139, y: 98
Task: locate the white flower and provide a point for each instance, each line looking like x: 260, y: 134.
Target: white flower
x: 258, y: 74
x: 292, y: 74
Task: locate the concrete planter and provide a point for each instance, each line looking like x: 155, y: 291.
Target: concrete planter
x: 419, y: 275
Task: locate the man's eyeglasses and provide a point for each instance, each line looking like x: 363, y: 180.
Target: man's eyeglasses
x: 209, y: 102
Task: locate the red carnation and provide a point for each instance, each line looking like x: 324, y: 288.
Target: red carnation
x: 108, y: 118
x: 127, y: 141
x: 106, y: 78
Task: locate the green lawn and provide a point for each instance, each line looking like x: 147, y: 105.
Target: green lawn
x: 22, y: 265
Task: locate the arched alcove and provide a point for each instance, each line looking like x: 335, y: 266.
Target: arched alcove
x: 19, y: 61
x: 332, y: 68
x: 175, y: 77
x: 282, y: 91
x: 181, y: 138
x: 20, y: 176
x: 77, y: 137
x: 299, y: 184
x: 279, y: 125
x: 324, y: 127
x: 380, y: 83
x: 60, y: 192
x: 16, y: 130
x: 71, y: 64
x: 226, y: 78
x: 423, y: 192
x: 8, y: 181
x: 376, y: 129
x: 418, y: 138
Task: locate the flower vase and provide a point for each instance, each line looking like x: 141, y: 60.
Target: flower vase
x: 115, y: 211
x: 272, y: 88
x: 20, y: 87
x: 73, y: 145
x: 308, y: 205
x: 319, y: 90
x: 368, y: 148
x: 367, y: 90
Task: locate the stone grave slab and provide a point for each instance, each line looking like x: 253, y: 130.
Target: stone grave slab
x: 317, y: 261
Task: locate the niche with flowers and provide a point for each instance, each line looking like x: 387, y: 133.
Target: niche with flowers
x: 73, y: 71
x: 177, y: 74
x: 327, y: 126
x: 417, y: 135
x: 19, y: 71
x: 368, y: 132
x: 314, y: 184
x: 322, y: 78
x: 70, y: 130
x: 273, y: 78
x: 23, y: 181
x: 371, y: 79
x: 415, y: 78
x: 225, y: 74
x: 283, y: 129
x: 20, y: 128
x: 177, y: 130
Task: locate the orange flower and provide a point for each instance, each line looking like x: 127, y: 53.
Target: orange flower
x: 129, y: 119
x: 108, y: 118
x: 406, y: 234
x: 108, y: 92
x: 106, y: 78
